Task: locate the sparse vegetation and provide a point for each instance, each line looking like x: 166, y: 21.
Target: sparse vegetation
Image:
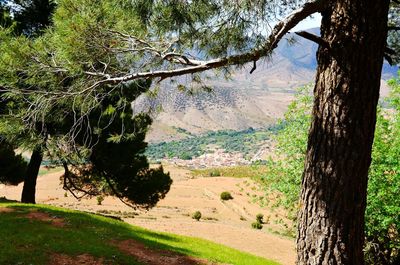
x: 226, y: 195
x: 251, y: 171
x: 121, y: 214
x: 215, y: 173
x: 210, y: 218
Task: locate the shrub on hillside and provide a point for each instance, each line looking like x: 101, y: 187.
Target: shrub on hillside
x: 99, y: 199
x: 196, y: 215
x: 256, y: 225
x: 226, y: 196
x: 260, y: 218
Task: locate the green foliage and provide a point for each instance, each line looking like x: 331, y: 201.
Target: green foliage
x: 260, y: 218
x: 245, y: 142
x: 394, y: 35
x: 382, y: 216
x: 256, y: 225
x: 99, y: 199
x: 117, y: 163
x: 225, y: 196
x: 5, y: 16
x: 213, y: 27
x: 196, y: 215
x: 284, y: 176
x: 76, y: 129
x: 382, y: 219
x: 12, y: 166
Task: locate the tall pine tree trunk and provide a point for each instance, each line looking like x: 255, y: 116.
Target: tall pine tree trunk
x: 333, y: 197
x: 29, y: 189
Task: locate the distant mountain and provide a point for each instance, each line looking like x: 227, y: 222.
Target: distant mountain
x: 248, y: 100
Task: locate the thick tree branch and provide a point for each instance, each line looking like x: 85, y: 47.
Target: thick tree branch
x: 309, y: 36
x: 196, y: 66
x: 254, y: 67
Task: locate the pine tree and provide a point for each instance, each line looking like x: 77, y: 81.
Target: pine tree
x: 128, y: 176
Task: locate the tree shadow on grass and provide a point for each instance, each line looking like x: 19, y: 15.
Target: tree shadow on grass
x: 5, y: 200
x: 86, y: 233
x: 96, y: 235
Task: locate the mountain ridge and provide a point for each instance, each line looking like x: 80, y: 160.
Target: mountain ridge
x: 247, y: 100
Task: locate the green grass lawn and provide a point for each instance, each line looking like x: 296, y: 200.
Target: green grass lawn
x: 25, y: 241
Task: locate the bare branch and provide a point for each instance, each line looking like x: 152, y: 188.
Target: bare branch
x: 309, y: 36
x: 196, y: 66
x: 254, y: 67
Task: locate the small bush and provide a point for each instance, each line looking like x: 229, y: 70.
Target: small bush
x: 185, y: 156
x: 257, y: 225
x: 215, y: 173
x: 100, y: 199
x: 226, y: 196
x: 196, y: 215
x: 260, y: 218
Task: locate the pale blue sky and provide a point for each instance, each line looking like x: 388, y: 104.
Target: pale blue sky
x: 308, y: 23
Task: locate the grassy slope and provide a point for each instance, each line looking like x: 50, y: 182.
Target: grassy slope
x: 25, y: 241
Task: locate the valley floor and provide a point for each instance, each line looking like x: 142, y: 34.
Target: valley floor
x: 227, y: 222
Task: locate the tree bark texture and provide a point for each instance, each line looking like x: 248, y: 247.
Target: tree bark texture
x: 29, y: 189
x: 334, y: 185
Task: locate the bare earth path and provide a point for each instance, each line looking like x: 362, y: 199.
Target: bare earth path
x: 228, y: 222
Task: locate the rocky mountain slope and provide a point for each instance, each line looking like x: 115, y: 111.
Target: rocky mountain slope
x: 247, y: 100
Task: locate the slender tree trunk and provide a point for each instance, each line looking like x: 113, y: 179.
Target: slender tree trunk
x: 333, y: 197
x: 29, y: 189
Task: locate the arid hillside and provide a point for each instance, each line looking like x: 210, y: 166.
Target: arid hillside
x: 225, y: 222
x: 245, y: 100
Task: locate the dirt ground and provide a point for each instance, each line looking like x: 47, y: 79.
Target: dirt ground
x: 227, y: 222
